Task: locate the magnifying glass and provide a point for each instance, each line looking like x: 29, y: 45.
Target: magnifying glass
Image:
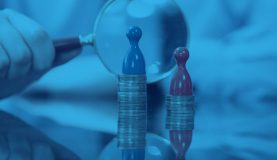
x: 163, y: 26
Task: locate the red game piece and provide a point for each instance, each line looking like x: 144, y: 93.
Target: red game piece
x: 181, y: 85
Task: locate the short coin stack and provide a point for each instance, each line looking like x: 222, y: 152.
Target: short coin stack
x: 180, y: 112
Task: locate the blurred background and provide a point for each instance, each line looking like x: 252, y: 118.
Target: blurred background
x: 233, y: 65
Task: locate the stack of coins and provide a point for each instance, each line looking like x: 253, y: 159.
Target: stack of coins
x: 132, y: 120
x: 180, y: 112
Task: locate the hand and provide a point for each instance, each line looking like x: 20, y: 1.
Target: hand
x: 26, y: 52
x: 19, y: 141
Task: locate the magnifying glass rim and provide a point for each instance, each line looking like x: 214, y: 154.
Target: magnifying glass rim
x: 94, y: 31
x: 163, y: 76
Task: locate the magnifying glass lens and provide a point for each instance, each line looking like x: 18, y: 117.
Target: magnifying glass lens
x: 163, y: 27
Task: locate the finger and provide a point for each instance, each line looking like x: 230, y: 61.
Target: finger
x: 42, y: 152
x: 16, y: 49
x: 4, y: 63
x: 4, y: 148
x: 37, y: 39
x: 19, y: 147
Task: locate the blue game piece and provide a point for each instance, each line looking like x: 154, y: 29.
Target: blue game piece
x: 134, y: 63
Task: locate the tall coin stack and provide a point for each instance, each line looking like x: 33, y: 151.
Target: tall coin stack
x: 132, y: 120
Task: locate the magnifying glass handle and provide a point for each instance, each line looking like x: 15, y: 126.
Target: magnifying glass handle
x: 73, y: 43
x: 67, y: 44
